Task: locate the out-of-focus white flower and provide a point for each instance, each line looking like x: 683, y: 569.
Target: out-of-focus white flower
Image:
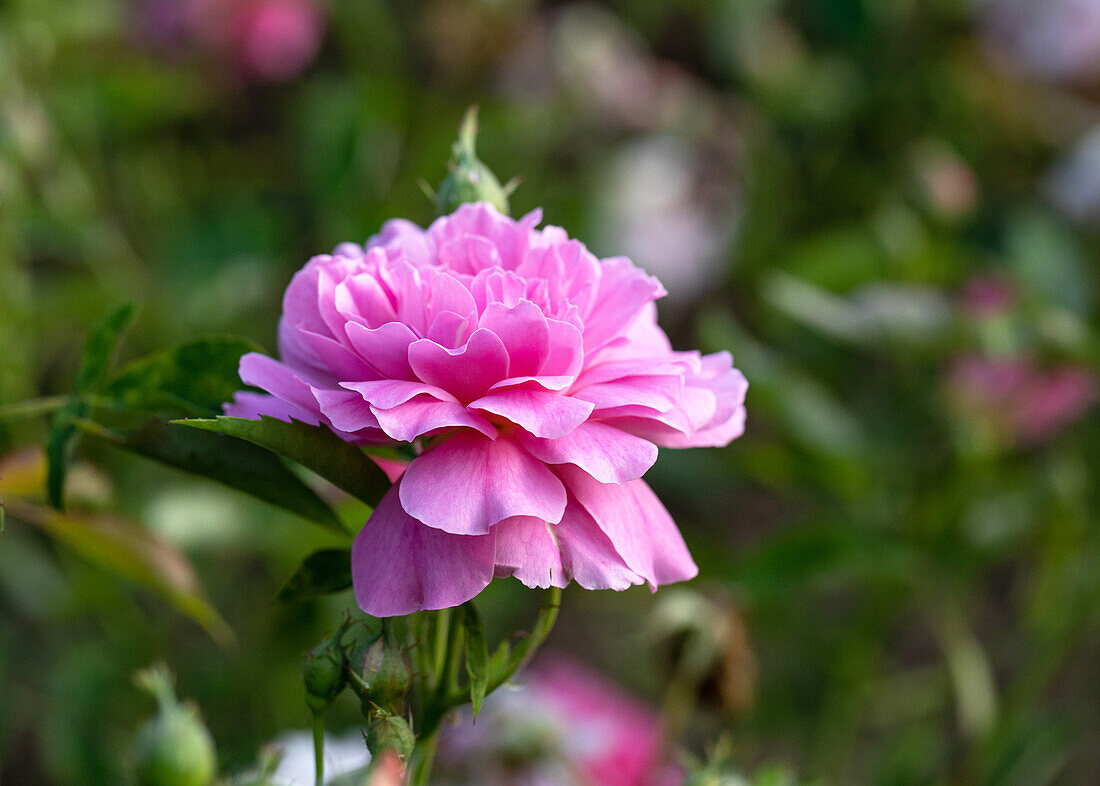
x: 343, y: 754
x: 1073, y: 185
x: 652, y: 209
x: 1053, y: 39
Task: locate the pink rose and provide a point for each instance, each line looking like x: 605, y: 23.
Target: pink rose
x: 1023, y: 401
x: 564, y: 724
x: 536, y: 385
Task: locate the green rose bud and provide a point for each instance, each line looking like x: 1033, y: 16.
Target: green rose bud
x: 385, y: 670
x: 389, y: 733
x: 469, y: 179
x: 174, y: 748
x: 323, y: 671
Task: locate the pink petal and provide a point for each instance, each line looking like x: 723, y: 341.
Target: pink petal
x: 447, y: 293
x: 388, y: 393
x: 345, y: 409
x: 540, y: 412
x: 526, y: 549
x: 566, y: 356
x: 468, y: 483
x: 425, y: 415
x: 325, y: 358
x: 385, y: 348
x: 449, y: 330
x: 608, y: 454
x: 508, y: 238
x: 637, y: 524
x: 403, y: 239
x: 253, y: 406
x: 657, y: 392
x: 623, y: 292
x: 280, y: 381
x: 405, y: 284
x: 394, y: 468
x: 466, y: 372
x: 468, y: 254
x: 525, y: 334
x: 362, y: 299
x: 588, y: 554
x: 399, y: 566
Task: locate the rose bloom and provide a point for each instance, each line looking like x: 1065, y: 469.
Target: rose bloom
x: 269, y: 40
x: 564, y: 725
x: 1018, y: 398
x: 533, y: 381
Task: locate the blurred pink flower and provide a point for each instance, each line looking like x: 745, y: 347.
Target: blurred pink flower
x: 1021, y: 400
x: 988, y: 294
x: 565, y: 725
x: 277, y: 39
x: 272, y: 40
x: 536, y: 382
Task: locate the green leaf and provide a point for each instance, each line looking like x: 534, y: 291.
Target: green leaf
x: 477, y: 655
x: 314, y: 447
x: 128, y: 550
x: 94, y: 363
x: 99, y: 350
x: 192, y: 379
x: 60, y: 444
x: 233, y: 462
x: 322, y: 573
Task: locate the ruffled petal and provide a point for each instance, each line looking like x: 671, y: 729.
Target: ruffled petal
x: 425, y: 415
x: 588, y: 555
x: 345, y: 409
x: 466, y: 372
x: 623, y: 292
x: 608, y: 454
x: 539, y: 412
x: 385, y: 348
x: 253, y: 406
x: 527, y: 550
x: 279, y: 380
x: 637, y: 525
x: 399, y: 566
x: 525, y: 333
x: 469, y: 483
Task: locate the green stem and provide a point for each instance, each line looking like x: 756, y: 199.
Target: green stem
x: 439, y: 647
x: 525, y: 650
x: 420, y: 761
x: 448, y: 694
x: 319, y: 747
x: 33, y: 407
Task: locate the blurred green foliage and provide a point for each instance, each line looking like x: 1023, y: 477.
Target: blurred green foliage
x: 862, y: 188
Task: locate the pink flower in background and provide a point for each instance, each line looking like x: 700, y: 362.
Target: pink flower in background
x: 566, y: 725
x: 276, y: 39
x: 534, y: 380
x: 988, y: 295
x: 271, y: 40
x: 1020, y: 399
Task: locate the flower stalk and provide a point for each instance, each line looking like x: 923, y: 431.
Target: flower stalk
x: 445, y: 691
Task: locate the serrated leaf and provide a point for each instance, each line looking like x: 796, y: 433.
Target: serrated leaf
x: 192, y: 379
x: 314, y: 447
x: 232, y: 462
x: 321, y: 573
x: 477, y: 655
x: 100, y: 348
x: 128, y: 550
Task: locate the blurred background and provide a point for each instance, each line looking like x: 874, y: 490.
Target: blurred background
x: 885, y: 209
